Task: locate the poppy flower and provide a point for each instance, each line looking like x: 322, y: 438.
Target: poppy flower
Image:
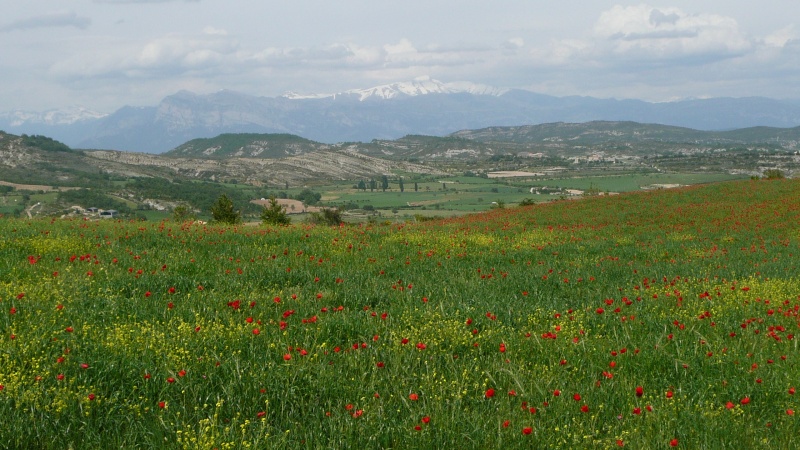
x: 527, y: 430
x: 489, y: 393
x: 585, y: 408
x: 673, y: 443
x: 576, y: 397
x: 639, y: 391
x: 413, y: 397
x: 426, y: 419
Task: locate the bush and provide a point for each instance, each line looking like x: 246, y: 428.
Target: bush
x: 222, y: 211
x: 274, y: 214
x: 773, y: 174
x: 182, y: 213
x: 327, y: 216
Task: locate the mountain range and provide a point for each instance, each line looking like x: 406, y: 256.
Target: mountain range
x: 422, y: 106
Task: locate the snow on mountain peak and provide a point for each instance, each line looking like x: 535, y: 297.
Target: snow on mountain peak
x: 423, y: 85
x: 67, y: 116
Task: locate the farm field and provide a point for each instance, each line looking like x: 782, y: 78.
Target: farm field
x: 660, y: 319
x: 464, y: 195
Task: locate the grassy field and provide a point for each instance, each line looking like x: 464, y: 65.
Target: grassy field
x: 647, y: 320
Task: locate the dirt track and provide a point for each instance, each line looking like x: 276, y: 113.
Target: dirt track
x: 35, y: 187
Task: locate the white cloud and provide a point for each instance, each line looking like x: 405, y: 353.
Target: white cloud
x: 402, y: 48
x: 781, y: 37
x: 62, y: 19
x: 645, y: 32
x: 144, y: 1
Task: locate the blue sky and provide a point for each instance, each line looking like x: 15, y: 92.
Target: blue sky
x: 104, y: 54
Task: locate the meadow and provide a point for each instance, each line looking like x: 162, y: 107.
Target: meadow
x: 661, y: 319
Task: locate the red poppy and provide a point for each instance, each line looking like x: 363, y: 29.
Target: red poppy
x: 576, y: 397
x: 673, y: 443
x: 527, y: 430
x: 639, y: 391
x: 585, y: 408
x: 413, y: 397
x: 489, y: 393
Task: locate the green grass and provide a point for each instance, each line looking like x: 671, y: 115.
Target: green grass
x: 628, y: 183
x: 412, y: 335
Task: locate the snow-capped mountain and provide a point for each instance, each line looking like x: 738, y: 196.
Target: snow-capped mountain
x: 421, y: 106
x: 66, y: 116
x: 419, y: 86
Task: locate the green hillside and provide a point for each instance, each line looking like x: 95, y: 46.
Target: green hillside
x: 246, y: 145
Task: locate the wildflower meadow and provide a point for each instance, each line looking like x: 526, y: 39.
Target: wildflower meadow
x: 664, y: 319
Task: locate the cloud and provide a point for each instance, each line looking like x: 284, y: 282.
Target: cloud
x: 65, y: 19
x: 145, y: 1
x: 647, y: 33
x: 782, y: 37
x: 169, y: 55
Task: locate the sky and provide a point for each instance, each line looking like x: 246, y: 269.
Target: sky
x: 105, y: 54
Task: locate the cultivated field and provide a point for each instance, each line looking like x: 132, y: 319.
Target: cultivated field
x: 647, y: 320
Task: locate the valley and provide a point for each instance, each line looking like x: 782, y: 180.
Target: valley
x: 411, y: 178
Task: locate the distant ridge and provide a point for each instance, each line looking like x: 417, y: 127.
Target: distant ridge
x: 423, y: 106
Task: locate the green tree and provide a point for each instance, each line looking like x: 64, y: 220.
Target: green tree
x: 327, y: 216
x: 222, y: 211
x: 309, y: 197
x: 274, y: 214
x: 384, y: 182
x: 362, y: 186
x: 182, y: 213
x: 400, y: 183
x: 774, y: 174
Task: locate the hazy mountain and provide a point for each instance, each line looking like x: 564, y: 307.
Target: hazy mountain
x: 419, y: 107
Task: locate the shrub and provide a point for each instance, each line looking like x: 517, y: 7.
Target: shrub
x: 222, y: 211
x: 274, y: 214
